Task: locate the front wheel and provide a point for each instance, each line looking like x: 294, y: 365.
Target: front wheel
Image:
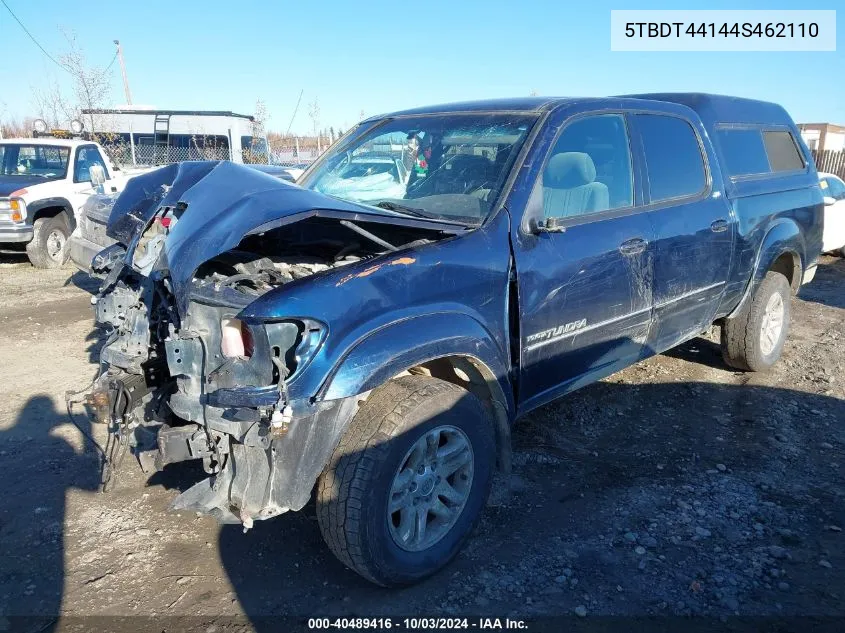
x: 49, y: 248
x: 408, y: 481
x: 753, y: 340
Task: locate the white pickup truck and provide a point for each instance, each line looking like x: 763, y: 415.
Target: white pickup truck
x: 43, y: 184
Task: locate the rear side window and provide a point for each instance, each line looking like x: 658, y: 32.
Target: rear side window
x: 743, y: 151
x: 782, y: 151
x: 673, y: 157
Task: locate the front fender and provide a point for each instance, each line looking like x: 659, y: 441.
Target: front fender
x: 35, y: 207
x: 399, y: 346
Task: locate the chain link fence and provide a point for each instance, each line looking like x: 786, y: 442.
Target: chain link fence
x: 289, y: 151
x: 163, y: 155
x: 297, y: 150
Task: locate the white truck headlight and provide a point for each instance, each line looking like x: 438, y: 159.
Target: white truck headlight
x: 12, y: 209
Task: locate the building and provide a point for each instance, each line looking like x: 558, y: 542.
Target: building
x: 823, y: 136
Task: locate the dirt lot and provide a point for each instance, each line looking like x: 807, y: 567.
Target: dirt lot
x: 677, y: 487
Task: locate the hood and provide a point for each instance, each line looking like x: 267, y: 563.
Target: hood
x: 223, y: 203
x: 8, y: 184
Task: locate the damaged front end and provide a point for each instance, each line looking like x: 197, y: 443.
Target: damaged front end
x: 185, y: 375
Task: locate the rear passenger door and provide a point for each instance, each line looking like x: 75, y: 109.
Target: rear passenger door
x: 693, y: 224
x: 584, y: 290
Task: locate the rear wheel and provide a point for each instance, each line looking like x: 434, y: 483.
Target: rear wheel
x: 48, y: 248
x: 409, y: 480
x: 753, y: 340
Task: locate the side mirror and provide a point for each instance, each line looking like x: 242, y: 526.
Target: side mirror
x: 828, y: 201
x: 551, y: 225
x: 97, y: 175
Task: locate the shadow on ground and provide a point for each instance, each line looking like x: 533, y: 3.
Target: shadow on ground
x: 282, y: 567
x: 586, y: 470
x: 39, y: 467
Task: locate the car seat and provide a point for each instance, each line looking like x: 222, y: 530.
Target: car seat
x: 570, y: 187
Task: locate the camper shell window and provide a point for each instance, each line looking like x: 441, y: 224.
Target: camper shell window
x: 753, y: 151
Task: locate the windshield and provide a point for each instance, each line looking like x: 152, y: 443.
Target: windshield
x: 47, y: 161
x: 445, y: 166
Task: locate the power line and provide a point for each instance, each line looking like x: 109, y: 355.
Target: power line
x: 25, y: 30
x: 294, y: 110
x: 110, y: 63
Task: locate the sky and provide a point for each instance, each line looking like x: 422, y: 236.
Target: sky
x: 373, y: 57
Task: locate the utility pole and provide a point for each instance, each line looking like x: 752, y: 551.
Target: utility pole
x: 123, y: 72
x: 128, y: 97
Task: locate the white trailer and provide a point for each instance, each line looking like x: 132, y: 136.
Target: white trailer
x: 154, y: 137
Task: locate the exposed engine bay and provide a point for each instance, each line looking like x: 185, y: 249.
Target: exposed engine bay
x: 187, y: 378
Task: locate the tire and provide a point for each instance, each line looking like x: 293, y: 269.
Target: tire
x: 49, y: 248
x: 743, y: 343
x: 354, y: 491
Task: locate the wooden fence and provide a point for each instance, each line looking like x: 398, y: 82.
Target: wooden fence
x: 830, y: 162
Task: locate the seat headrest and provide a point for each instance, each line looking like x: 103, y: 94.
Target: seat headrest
x: 568, y: 170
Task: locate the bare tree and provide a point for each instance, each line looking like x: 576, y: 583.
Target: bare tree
x: 257, y: 152
x: 314, y: 113
x: 91, y: 85
x: 259, y: 123
x: 52, y: 106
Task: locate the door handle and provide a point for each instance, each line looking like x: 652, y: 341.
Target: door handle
x: 634, y: 246
x: 719, y: 226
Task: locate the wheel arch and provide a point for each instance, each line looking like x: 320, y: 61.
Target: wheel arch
x: 475, y: 376
x: 788, y: 263
x: 50, y: 208
x: 780, y: 251
x: 453, y: 347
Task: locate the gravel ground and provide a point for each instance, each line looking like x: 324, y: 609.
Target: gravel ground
x: 678, y: 487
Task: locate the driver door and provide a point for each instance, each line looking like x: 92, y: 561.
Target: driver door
x: 585, y: 292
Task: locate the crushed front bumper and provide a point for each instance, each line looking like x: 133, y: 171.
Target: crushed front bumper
x: 269, y: 473
x: 262, y: 450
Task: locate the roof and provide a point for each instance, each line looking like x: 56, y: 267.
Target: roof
x: 713, y: 109
x: 47, y: 140
x: 171, y: 112
x: 518, y: 104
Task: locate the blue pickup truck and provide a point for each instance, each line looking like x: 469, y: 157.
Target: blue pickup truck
x: 369, y: 336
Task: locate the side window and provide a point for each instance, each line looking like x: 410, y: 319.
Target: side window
x: 673, y: 157
x: 743, y: 151
x: 782, y: 151
x: 86, y: 156
x: 589, y: 169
